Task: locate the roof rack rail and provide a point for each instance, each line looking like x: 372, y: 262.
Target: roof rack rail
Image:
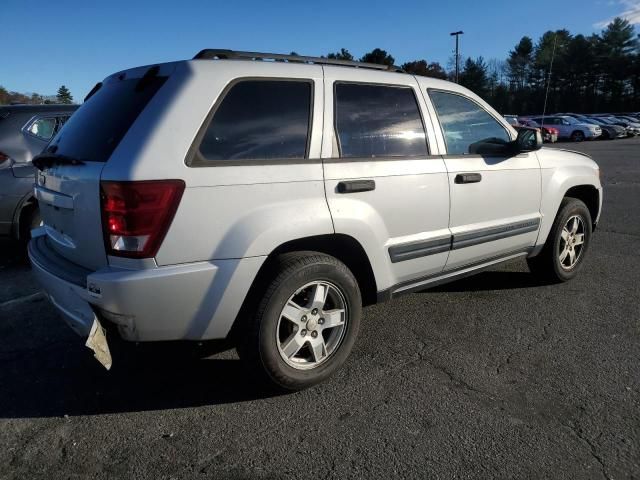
x: 222, y: 54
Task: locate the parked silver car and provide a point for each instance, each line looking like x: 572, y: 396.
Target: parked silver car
x: 24, y: 131
x: 268, y: 201
x: 569, y: 127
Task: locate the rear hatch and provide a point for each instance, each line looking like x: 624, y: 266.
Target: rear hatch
x: 68, y: 183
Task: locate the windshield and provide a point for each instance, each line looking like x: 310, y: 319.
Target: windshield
x: 96, y: 128
x: 571, y: 120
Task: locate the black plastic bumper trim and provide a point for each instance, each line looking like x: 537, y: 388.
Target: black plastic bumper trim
x: 55, y: 264
x: 494, y: 233
x: 423, y: 248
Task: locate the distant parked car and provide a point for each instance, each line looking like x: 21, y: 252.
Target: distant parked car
x: 24, y: 131
x: 549, y: 134
x: 569, y: 127
x: 632, y: 120
x: 631, y: 127
x: 609, y: 132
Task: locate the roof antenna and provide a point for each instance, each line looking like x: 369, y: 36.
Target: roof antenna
x: 546, y: 95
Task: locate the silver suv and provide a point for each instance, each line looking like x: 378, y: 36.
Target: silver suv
x: 268, y: 201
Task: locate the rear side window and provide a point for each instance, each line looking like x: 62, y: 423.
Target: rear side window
x: 378, y: 121
x: 260, y: 120
x: 94, y: 131
x: 467, y: 127
x: 43, y: 128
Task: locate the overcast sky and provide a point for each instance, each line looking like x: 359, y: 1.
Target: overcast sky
x: 49, y: 43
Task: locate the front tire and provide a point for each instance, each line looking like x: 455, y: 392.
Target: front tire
x: 567, y: 244
x: 577, y: 136
x: 306, y: 321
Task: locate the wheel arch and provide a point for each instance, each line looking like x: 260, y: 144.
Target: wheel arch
x: 591, y: 198
x: 20, y: 215
x: 579, y: 180
x: 343, y: 247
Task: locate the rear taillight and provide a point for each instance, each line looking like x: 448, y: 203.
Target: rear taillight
x: 137, y: 215
x: 3, y: 157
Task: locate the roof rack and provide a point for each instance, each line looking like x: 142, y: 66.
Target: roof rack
x: 222, y: 54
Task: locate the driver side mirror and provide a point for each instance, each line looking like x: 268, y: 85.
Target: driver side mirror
x: 529, y: 140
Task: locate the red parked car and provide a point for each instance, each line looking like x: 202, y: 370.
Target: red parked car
x: 549, y: 134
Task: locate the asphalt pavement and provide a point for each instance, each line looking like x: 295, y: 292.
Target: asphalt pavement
x: 492, y: 376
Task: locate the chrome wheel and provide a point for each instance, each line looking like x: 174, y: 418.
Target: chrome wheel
x: 571, y: 242
x: 312, y: 325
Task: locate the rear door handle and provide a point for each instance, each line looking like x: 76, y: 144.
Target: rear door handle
x: 468, y: 178
x: 354, y: 186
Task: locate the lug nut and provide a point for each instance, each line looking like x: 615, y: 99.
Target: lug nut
x: 314, y: 311
x: 303, y: 333
x: 321, y: 321
x: 314, y: 334
x: 304, y: 318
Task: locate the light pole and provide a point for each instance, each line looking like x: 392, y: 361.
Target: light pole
x: 457, y: 34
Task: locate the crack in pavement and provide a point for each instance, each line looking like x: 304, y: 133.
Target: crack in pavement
x: 528, y: 348
x: 591, y: 446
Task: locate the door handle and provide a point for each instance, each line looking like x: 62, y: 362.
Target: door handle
x: 354, y: 186
x: 468, y: 178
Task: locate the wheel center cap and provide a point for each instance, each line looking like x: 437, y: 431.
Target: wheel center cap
x: 312, y: 324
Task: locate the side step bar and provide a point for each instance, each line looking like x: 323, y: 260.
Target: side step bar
x: 447, y: 276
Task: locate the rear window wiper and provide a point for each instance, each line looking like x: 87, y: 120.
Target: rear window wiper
x: 46, y: 160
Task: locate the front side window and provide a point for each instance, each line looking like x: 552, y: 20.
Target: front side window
x: 378, y: 121
x: 260, y: 120
x: 467, y: 127
x: 43, y: 128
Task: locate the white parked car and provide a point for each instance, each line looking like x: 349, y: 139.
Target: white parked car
x: 569, y: 127
x: 267, y: 202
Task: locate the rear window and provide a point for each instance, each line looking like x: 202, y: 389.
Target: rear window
x: 96, y: 128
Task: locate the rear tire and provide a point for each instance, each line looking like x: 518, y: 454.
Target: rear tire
x: 295, y: 339
x: 567, y: 244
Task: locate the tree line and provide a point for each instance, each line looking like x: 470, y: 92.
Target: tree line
x: 595, y: 73
x: 14, y: 98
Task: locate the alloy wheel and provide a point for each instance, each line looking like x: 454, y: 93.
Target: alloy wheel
x: 571, y: 242
x: 312, y: 325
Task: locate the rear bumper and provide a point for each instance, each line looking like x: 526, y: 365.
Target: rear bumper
x: 194, y: 301
x: 69, y: 298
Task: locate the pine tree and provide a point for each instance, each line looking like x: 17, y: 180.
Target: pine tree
x: 378, y: 56
x: 474, y: 76
x: 64, y: 95
x: 343, y: 54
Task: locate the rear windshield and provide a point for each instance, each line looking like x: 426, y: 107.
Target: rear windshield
x: 96, y: 128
